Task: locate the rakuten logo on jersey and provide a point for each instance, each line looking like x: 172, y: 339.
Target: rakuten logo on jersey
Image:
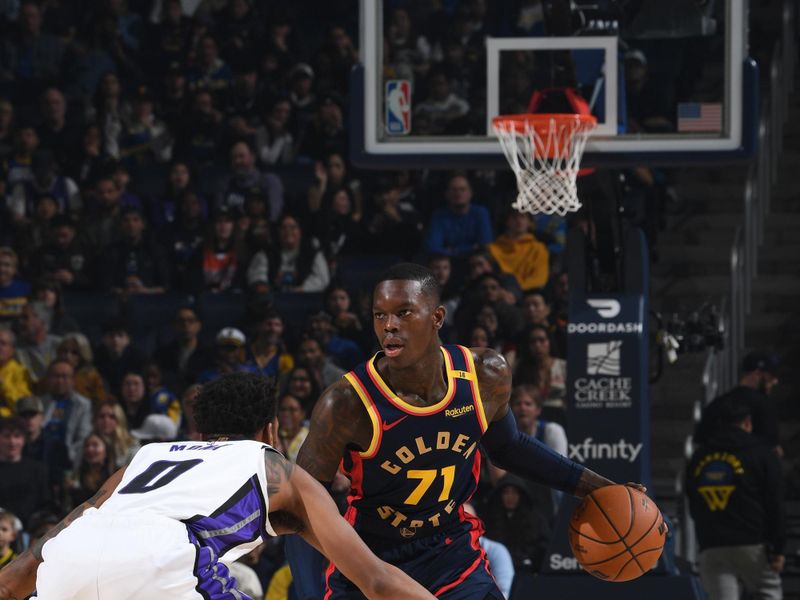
x: 589, y: 449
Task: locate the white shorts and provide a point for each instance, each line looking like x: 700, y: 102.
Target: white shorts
x: 130, y: 558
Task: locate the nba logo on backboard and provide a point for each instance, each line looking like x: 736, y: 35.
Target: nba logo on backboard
x: 398, y: 106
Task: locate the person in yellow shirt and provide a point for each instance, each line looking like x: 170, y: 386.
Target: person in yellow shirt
x: 13, y: 291
x: 518, y: 252
x: 8, y: 533
x: 15, y: 381
x: 280, y: 584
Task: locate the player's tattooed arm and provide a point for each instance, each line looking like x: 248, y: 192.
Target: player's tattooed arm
x: 339, y: 421
x: 494, y: 382
x: 279, y: 491
x: 279, y: 470
x: 589, y: 482
x: 18, y: 579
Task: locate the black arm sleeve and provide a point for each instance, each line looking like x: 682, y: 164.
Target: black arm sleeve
x: 527, y: 457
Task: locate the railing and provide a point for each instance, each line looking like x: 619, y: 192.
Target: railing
x: 722, y: 366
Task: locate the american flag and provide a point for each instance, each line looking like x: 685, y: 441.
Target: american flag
x: 700, y: 116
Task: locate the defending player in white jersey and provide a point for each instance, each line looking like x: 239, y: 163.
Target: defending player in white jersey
x: 167, y: 526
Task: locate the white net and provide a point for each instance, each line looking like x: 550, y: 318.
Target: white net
x: 544, y: 152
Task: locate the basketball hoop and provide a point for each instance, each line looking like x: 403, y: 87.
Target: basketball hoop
x: 544, y: 151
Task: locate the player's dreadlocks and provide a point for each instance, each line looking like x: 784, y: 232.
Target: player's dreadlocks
x: 236, y: 404
x: 414, y: 272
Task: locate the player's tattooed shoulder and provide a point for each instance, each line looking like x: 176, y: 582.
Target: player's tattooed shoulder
x: 279, y: 470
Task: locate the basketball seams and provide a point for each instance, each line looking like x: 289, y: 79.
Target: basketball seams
x: 659, y: 549
x: 600, y: 562
x: 622, y: 568
x: 614, y: 527
x: 590, y: 538
x: 649, y: 529
x: 633, y: 511
x: 608, y: 519
x: 644, y: 535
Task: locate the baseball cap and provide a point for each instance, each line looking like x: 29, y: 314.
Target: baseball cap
x: 29, y: 404
x: 228, y: 213
x: 760, y: 360
x: 230, y: 336
x: 301, y: 70
x: 156, y: 427
x: 636, y: 55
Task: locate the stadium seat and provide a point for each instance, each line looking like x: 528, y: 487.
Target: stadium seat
x: 295, y: 309
x: 360, y: 272
x: 148, y: 181
x: 221, y: 310
x: 296, y: 180
x: 211, y: 180
x: 149, y: 317
x: 91, y: 310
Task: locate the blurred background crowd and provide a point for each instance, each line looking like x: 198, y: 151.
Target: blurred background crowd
x: 179, y: 203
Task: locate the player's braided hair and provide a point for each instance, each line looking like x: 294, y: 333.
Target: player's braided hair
x: 236, y: 404
x: 414, y: 272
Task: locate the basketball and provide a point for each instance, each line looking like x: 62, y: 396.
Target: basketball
x: 617, y: 533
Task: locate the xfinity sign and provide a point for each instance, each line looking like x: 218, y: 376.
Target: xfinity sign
x: 589, y: 449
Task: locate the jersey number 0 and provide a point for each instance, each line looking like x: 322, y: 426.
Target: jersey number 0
x: 159, y: 474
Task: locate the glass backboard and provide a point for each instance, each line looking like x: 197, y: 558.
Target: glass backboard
x: 669, y: 82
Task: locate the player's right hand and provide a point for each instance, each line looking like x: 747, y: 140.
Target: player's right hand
x: 637, y: 486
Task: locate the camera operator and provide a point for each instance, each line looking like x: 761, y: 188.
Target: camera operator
x: 755, y: 386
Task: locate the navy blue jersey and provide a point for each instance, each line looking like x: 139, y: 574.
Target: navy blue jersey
x: 422, y: 462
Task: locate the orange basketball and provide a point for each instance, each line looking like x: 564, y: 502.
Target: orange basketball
x: 617, y: 533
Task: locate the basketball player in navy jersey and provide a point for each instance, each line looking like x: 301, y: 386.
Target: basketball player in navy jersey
x: 407, y: 425
x: 166, y: 527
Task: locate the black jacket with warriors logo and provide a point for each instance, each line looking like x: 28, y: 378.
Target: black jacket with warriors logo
x: 735, y: 491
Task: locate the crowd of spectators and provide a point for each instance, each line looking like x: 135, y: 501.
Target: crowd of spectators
x: 189, y: 159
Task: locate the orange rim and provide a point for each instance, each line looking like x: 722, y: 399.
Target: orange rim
x: 540, y: 122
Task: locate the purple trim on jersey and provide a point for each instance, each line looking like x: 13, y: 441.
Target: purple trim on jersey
x: 240, y: 520
x: 214, y: 580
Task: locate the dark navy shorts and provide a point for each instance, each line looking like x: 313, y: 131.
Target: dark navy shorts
x: 451, y: 565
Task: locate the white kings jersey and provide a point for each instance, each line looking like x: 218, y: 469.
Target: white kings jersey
x: 217, y: 489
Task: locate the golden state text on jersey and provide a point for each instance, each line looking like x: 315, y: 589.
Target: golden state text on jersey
x: 422, y: 462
